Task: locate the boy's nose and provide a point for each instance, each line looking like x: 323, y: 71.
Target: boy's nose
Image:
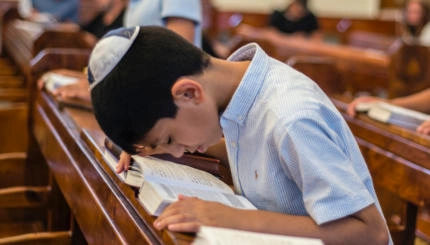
x: 177, y: 151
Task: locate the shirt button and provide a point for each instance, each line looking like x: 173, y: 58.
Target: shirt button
x: 233, y: 144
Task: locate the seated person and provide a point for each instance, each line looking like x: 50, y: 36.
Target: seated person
x: 418, y: 101
x: 290, y: 151
x: 415, y: 25
x: 296, y: 20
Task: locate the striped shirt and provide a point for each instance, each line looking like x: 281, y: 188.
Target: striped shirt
x: 290, y: 150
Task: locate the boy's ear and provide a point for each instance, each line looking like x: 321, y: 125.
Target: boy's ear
x: 185, y: 89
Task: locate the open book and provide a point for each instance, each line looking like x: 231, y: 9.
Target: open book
x: 165, y: 180
x: 221, y: 236
x: 392, y: 114
x: 54, y: 80
x: 161, y: 181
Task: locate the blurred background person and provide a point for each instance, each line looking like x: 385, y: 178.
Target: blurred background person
x: 295, y: 20
x: 414, y: 26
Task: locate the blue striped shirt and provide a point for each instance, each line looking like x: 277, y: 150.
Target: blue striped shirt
x: 290, y: 150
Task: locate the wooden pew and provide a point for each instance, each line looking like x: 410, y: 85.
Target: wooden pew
x: 367, y: 54
x: 323, y: 70
x: 24, y: 40
x: 33, y: 209
x: 369, y: 40
x: 366, y: 69
x: 399, y: 161
x: 402, y: 70
x: 94, y: 199
x: 334, y: 29
x: 409, y: 70
x: 338, y: 29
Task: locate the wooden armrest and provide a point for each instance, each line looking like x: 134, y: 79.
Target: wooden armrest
x: 321, y: 69
x: 55, y: 58
x: 46, y: 238
x: 24, y: 196
x: 63, y: 39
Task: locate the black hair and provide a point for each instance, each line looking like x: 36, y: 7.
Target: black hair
x: 137, y: 92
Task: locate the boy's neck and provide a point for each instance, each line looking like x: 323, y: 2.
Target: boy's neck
x: 222, y: 78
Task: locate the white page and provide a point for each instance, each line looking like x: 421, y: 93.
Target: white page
x: 158, y: 170
x: 404, y: 111
x: 54, y: 81
x: 169, y: 194
x: 397, y: 115
x: 221, y: 236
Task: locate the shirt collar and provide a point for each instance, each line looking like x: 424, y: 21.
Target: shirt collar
x: 251, y: 83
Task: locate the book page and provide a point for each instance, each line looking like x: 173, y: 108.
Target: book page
x: 156, y: 196
x: 364, y: 106
x: 214, y: 235
x: 54, y: 80
x: 400, y: 116
x: 404, y: 111
x: 162, y: 171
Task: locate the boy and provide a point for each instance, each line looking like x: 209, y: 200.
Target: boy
x: 290, y: 152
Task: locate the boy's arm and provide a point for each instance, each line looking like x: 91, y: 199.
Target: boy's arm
x: 188, y: 214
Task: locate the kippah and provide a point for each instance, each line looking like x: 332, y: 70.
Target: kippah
x: 108, y: 52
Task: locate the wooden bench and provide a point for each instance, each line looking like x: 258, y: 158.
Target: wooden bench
x: 33, y: 208
x: 368, y: 54
x: 399, y: 161
x: 334, y: 29
x: 365, y: 70
x: 323, y: 70
x: 24, y: 40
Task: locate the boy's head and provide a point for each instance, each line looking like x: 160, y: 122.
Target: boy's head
x: 132, y: 72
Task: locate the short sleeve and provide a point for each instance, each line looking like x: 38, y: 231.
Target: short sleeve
x: 320, y: 164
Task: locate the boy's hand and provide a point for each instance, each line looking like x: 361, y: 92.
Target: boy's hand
x: 124, y: 162
x: 189, y: 213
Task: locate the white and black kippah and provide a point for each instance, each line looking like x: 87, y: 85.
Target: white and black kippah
x: 108, y: 52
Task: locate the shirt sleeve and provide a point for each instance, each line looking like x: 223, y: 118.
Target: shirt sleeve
x: 188, y: 9
x: 333, y: 185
